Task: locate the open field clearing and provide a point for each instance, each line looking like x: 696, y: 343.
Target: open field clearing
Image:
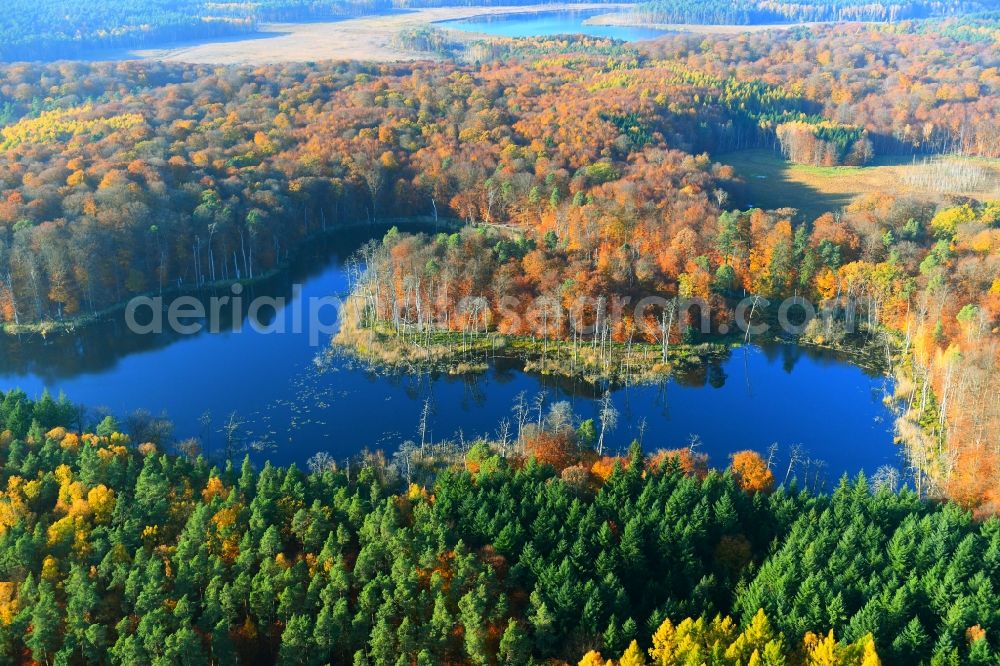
x: 773, y: 182
x: 367, y: 38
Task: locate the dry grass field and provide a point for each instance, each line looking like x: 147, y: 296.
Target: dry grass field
x: 368, y: 38
x: 772, y: 182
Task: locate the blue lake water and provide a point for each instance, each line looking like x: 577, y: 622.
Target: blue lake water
x: 780, y: 394
x: 544, y: 24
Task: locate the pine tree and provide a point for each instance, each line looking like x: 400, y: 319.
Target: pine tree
x: 45, y: 625
x: 472, y: 608
x: 613, y: 636
x: 382, y: 643
x: 223, y: 650
x: 183, y: 648
x: 81, y: 600
x: 326, y: 631
x: 442, y: 624
x: 406, y: 639
x: 46, y: 411
x: 514, y: 645
x: 980, y: 653
x: 543, y: 622
x: 912, y: 643
x: 107, y: 427
x: 296, y: 641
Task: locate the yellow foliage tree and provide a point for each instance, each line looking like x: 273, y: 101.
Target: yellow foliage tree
x: 691, y: 641
x: 8, y: 602
x: 698, y: 641
x: 592, y: 658
x: 214, y: 488
x: 50, y: 569
x: 633, y: 656
x: 71, y: 442
x: 61, y: 531
x: 102, y: 502
x: 826, y: 651
x: 757, y: 639
x: 947, y: 221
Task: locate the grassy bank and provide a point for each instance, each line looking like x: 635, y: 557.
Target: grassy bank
x: 409, y: 348
x: 455, y: 352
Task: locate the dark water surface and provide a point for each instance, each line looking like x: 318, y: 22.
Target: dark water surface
x: 780, y: 394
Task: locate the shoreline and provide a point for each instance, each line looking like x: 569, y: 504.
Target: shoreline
x: 458, y: 353
x: 363, y: 39
x: 618, y: 363
x: 627, y: 20
x: 72, y: 325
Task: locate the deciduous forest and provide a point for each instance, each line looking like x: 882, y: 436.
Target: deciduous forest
x: 578, y: 177
x: 588, y: 174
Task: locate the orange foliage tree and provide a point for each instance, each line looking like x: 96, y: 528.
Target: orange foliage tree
x: 752, y: 472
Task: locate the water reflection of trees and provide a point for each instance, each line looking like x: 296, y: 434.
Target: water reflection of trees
x: 717, y: 376
x: 474, y: 390
x: 98, y: 347
x: 693, y: 377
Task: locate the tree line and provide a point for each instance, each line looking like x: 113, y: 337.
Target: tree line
x: 757, y: 12
x: 824, y: 143
x: 62, y: 29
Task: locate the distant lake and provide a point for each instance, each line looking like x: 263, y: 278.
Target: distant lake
x: 545, y: 24
x: 781, y: 394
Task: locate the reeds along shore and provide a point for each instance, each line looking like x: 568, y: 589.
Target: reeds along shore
x: 411, y: 346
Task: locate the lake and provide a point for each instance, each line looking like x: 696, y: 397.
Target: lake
x: 544, y: 24
x: 781, y: 394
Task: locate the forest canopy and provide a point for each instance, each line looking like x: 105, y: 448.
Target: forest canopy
x: 755, y: 12
x: 112, y: 551
x: 128, y: 178
x: 567, y: 170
